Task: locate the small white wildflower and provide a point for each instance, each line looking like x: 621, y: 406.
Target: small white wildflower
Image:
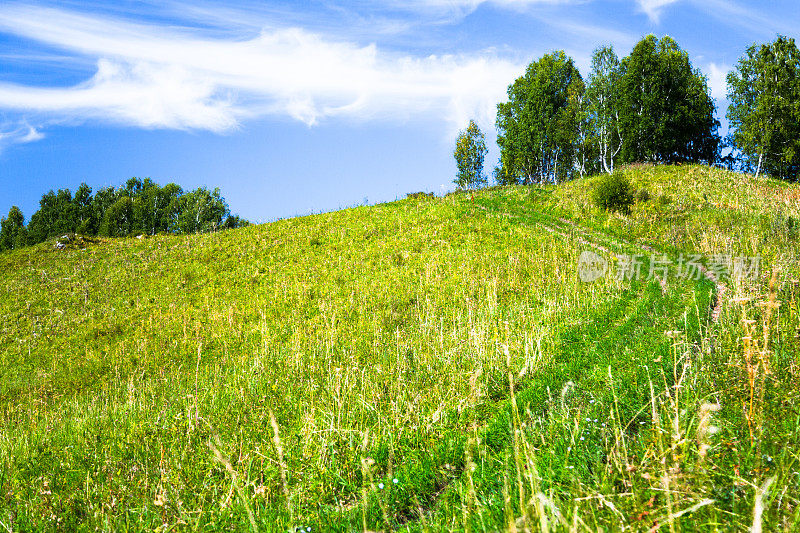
x: 380, y: 486
x: 581, y: 437
x: 595, y: 421
x: 569, y: 448
x: 395, y: 481
x: 571, y: 467
x: 588, y: 419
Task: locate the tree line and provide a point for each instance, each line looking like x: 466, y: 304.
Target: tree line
x: 141, y: 206
x: 650, y: 106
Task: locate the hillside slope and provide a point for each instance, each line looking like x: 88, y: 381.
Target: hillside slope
x: 431, y: 363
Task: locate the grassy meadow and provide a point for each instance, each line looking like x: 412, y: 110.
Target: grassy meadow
x: 430, y: 364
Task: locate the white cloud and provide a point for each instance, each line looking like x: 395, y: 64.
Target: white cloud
x: 717, y: 80
x: 757, y: 20
x: 140, y: 94
x: 166, y: 77
x: 473, y: 4
x: 31, y: 135
x: 455, y: 10
x: 653, y: 8
x: 22, y: 133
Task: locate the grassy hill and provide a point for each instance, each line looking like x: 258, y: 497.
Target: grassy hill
x: 428, y: 364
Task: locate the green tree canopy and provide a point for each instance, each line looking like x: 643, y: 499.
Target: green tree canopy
x: 155, y: 208
x: 538, y: 126
x: 56, y: 215
x: 141, y: 206
x: 666, y: 113
x: 84, y: 219
x: 118, y: 218
x: 764, y: 112
x: 12, y: 230
x: 201, y: 210
x: 469, y: 154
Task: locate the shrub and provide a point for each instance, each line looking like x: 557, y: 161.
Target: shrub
x: 419, y: 195
x: 613, y: 192
x: 642, y: 196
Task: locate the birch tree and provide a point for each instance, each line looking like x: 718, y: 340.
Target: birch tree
x: 602, y: 100
x: 764, y: 113
x: 469, y: 154
x: 538, y: 126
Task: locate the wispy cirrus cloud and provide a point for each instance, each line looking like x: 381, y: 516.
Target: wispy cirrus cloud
x: 157, y: 76
x: 19, y: 134
x: 454, y: 10
x: 756, y: 20
x: 653, y: 8
x: 473, y: 4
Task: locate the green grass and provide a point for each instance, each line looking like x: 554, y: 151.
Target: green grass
x: 287, y: 374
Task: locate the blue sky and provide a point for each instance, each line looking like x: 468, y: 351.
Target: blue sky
x: 307, y: 106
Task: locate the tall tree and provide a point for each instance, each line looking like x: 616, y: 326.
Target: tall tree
x: 139, y: 190
x: 85, y: 222
x: 164, y: 205
x: 201, y: 210
x: 134, y: 186
x: 666, y: 111
x: 56, y: 216
x: 103, y: 199
x: 603, y: 105
x: 118, y: 218
x: 538, y: 126
x: 469, y: 154
x: 764, y: 113
x: 12, y: 230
